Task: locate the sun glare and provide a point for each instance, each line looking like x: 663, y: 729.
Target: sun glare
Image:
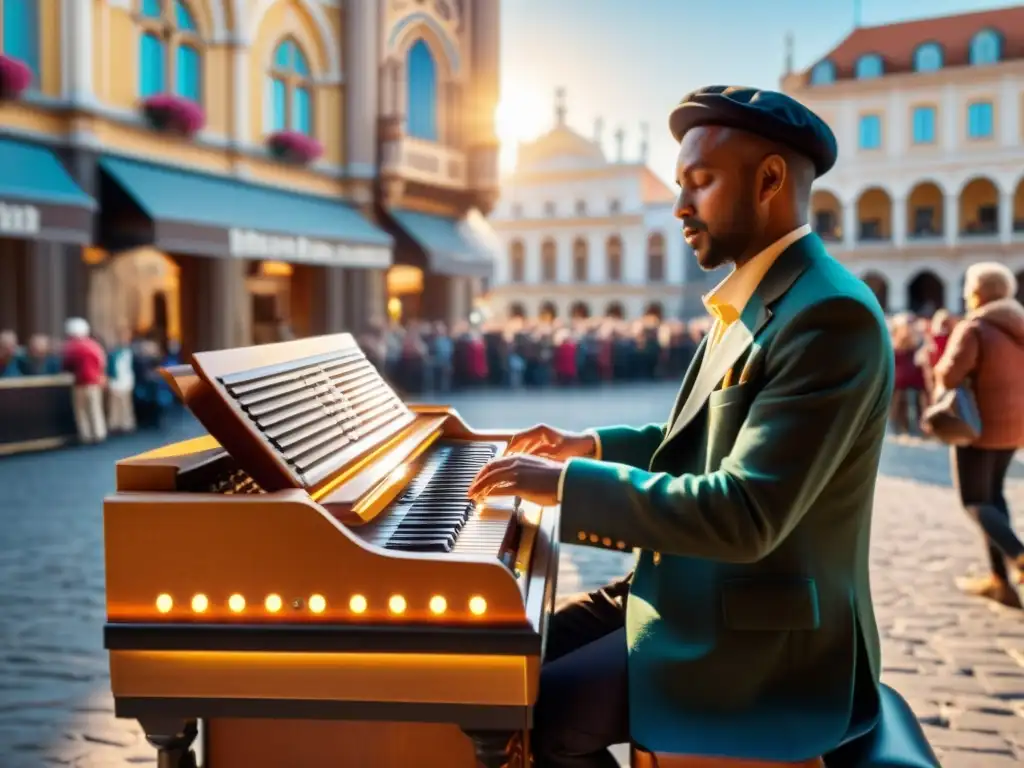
x: 519, y: 117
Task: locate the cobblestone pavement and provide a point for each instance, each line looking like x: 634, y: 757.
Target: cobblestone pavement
x: 958, y: 661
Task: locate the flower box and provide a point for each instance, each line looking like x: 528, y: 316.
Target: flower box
x: 294, y: 147
x: 15, y: 77
x: 174, y: 114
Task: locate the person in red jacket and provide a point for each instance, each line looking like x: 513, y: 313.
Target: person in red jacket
x: 86, y: 360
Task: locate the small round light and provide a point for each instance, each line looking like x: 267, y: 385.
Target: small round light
x: 477, y: 605
x: 317, y: 603
x: 164, y: 603
x: 273, y: 603
x: 357, y: 604
x: 438, y: 605
x: 236, y: 603
x: 200, y: 603
x: 396, y: 604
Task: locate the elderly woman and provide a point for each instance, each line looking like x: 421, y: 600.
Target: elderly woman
x: 986, y: 352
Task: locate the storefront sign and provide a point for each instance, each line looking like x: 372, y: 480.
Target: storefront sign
x: 19, y: 220
x: 250, y: 244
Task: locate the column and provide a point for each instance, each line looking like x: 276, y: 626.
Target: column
x: 220, y: 315
x: 374, y: 297
x: 899, y: 221
x: 386, y: 102
x: 481, y: 139
x: 242, y: 130
x: 328, y: 297
x: 951, y: 219
x: 11, y: 257
x: 43, y: 298
x: 850, y: 224
x: 362, y: 74
x: 77, y: 37
x: 1006, y: 217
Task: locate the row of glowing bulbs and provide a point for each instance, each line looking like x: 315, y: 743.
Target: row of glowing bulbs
x: 357, y: 604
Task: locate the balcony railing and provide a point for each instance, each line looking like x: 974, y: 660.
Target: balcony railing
x: 425, y: 162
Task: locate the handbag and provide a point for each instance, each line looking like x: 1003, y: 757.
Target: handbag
x: 954, y: 418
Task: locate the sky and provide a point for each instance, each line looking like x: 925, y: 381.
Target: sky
x: 631, y: 61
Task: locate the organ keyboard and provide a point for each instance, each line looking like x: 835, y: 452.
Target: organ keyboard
x: 309, y: 580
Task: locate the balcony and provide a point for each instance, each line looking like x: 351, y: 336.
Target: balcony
x: 424, y: 162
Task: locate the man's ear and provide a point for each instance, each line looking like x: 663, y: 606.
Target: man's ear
x: 771, y: 177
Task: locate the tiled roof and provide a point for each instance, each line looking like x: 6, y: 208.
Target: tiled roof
x: 897, y: 42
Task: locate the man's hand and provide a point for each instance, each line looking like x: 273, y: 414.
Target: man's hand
x: 552, y: 443
x: 533, y: 478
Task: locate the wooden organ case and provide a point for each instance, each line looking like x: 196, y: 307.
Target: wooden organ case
x: 310, y: 582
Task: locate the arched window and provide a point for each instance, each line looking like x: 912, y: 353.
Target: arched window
x: 421, y: 110
x: 580, y: 261
x: 549, y: 261
x: 291, y: 90
x: 516, y: 262
x: 824, y: 72
x: 656, y: 258
x: 21, y: 32
x: 986, y: 47
x: 613, y: 252
x: 169, y: 58
x: 869, y: 65
x: 928, y: 57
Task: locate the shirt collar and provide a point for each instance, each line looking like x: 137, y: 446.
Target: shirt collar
x: 726, y: 301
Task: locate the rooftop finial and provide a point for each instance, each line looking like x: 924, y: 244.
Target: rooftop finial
x: 644, y: 136
x: 560, y: 106
x: 789, y: 53
x: 620, y: 140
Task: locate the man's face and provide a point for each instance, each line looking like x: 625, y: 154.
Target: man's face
x: 718, y: 200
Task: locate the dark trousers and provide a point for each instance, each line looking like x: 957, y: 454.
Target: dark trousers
x: 582, y: 706
x: 980, y: 475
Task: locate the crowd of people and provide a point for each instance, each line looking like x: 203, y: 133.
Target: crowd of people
x: 115, y: 388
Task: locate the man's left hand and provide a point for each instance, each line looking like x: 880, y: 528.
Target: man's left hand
x: 533, y: 478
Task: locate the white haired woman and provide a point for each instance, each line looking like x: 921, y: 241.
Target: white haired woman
x: 85, y: 358
x: 986, y: 352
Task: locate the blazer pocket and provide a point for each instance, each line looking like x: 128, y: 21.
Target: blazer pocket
x: 758, y: 605
x: 737, y: 393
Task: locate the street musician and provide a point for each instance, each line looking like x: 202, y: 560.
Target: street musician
x: 746, y: 630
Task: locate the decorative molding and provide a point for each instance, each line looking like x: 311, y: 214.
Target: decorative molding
x: 316, y: 12
x: 410, y: 22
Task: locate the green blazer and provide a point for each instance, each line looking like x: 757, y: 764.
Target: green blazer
x: 750, y: 628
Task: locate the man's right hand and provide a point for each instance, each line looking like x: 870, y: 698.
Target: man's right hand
x: 552, y: 443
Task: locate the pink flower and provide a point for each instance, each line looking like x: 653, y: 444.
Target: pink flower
x: 15, y: 77
x: 294, y: 146
x: 174, y: 114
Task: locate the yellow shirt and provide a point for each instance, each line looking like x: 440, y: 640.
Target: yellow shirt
x: 727, y: 300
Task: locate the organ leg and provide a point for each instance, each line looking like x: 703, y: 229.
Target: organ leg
x: 173, y: 741
x: 498, y: 749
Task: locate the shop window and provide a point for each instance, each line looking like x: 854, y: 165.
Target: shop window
x: 169, y: 50
x: 291, y: 90
x: 21, y: 32
x: 421, y: 109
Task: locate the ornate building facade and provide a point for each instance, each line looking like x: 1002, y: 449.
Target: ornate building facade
x: 210, y: 169
x: 929, y: 116
x: 582, y: 235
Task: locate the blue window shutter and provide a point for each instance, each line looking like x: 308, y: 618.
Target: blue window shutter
x: 189, y: 74
x: 183, y: 17
x: 279, y: 94
x: 151, y: 8
x: 302, y: 112
x: 151, y: 65
x: 421, y: 107
x: 21, y: 32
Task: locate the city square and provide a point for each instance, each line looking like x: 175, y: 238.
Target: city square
x: 957, y: 660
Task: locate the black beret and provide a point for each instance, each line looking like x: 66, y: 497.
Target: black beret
x: 770, y: 114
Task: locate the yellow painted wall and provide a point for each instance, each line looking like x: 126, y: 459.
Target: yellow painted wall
x: 49, y: 46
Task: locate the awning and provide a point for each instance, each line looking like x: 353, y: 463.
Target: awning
x: 206, y: 215
x: 38, y: 199
x: 462, y: 247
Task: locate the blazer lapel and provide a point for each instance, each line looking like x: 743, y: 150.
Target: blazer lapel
x: 740, y: 335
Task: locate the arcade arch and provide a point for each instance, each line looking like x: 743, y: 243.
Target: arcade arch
x: 924, y: 210
x: 827, y: 215
x: 874, y: 215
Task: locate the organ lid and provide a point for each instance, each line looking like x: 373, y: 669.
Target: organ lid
x: 295, y: 414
